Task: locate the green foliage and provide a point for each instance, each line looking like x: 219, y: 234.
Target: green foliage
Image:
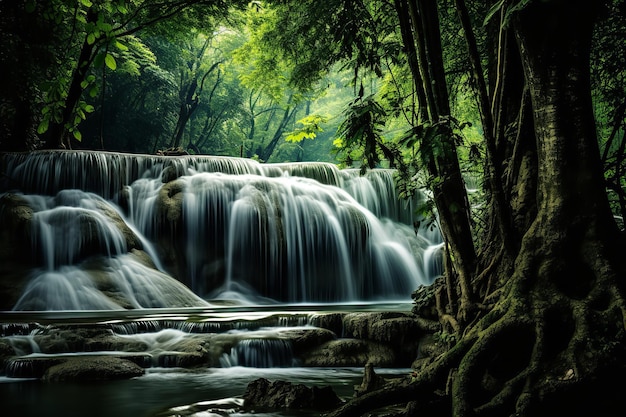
x: 448, y: 339
x: 360, y: 134
x: 507, y: 8
x: 311, y: 126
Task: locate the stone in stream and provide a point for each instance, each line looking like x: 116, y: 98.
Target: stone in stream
x: 100, y: 368
x: 262, y: 394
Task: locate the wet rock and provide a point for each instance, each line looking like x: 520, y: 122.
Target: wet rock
x: 350, y: 352
x: 85, y: 339
x: 330, y: 321
x: 401, y: 331
x: 262, y: 394
x: 371, y: 381
x: 424, y: 299
x: 305, y: 339
x: 15, y: 253
x: 92, y: 369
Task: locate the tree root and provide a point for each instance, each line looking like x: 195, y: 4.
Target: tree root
x: 539, y: 352
x: 427, y: 386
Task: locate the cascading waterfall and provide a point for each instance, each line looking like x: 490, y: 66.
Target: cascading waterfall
x: 109, y: 231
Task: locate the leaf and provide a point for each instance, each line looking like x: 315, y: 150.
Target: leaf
x: 77, y: 135
x: 89, y: 108
x: 98, y: 60
x: 110, y: 62
x: 43, y: 126
x: 121, y: 46
x: 494, y: 9
x: 86, y: 3
x: 93, y: 92
x: 91, y: 38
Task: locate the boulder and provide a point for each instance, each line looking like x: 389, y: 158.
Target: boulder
x: 401, y: 331
x: 100, y: 368
x: 262, y: 394
x: 330, y: 321
x: 350, y: 352
x: 304, y: 339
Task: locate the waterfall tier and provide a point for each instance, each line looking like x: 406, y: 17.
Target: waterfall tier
x: 97, y: 230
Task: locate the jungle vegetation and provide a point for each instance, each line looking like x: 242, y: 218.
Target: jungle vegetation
x: 526, y: 98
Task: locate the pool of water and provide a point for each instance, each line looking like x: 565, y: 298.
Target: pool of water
x: 160, y: 390
x: 170, y: 391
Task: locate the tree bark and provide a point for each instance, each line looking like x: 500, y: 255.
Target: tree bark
x: 440, y: 156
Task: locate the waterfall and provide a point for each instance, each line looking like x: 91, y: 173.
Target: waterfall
x: 111, y: 231
x: 260, y: 353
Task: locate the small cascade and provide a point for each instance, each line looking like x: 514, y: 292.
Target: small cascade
x: 48, y: 172
x: 24, y: 344
x: 15, y: 329
x: 209, y: 326
x: 24, y: 367
x: 260, y: 353
x: 321, y: 172
x: 73, y: 225
x: 433, y: 261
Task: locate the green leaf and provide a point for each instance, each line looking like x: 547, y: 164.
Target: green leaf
x: 103, y: 26
x: 77, y: 135
x: 91, y: 39
x: 98, y: 60
x: 86, y: 3
x: 110, y: 62
x: 494, y: 10
x: 121, y: 46
x: 43, y: 126
x: 93, y: 92
x: 89, y: 108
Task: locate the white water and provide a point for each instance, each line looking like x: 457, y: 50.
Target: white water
x: 227, y: 228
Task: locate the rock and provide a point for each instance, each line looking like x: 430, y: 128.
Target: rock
x: 350, y: 352
x: 401, y: 331
x: 99, y: 368
x: 305, y: 339
x: 330, y: 321
x: 371, y: 381
x: 425, y: 301
x: 261, y: 394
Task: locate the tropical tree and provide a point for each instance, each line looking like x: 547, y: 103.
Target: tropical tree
x: 91, y: 36
x: 534, y: 299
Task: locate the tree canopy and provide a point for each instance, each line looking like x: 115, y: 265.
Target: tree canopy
x: 511, y: 112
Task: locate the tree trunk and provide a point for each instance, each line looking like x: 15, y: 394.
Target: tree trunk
x: 57, y: 134
x: 554, y: 342
x: 288, y: 116
x: 439, y: 153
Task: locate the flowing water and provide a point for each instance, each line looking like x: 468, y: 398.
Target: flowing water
x: 161, y: 248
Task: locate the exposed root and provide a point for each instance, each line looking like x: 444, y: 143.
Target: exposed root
x: 541, y: 350
x: 427, y: 386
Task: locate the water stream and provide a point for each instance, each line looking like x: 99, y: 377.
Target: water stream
x: 158, y: 251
